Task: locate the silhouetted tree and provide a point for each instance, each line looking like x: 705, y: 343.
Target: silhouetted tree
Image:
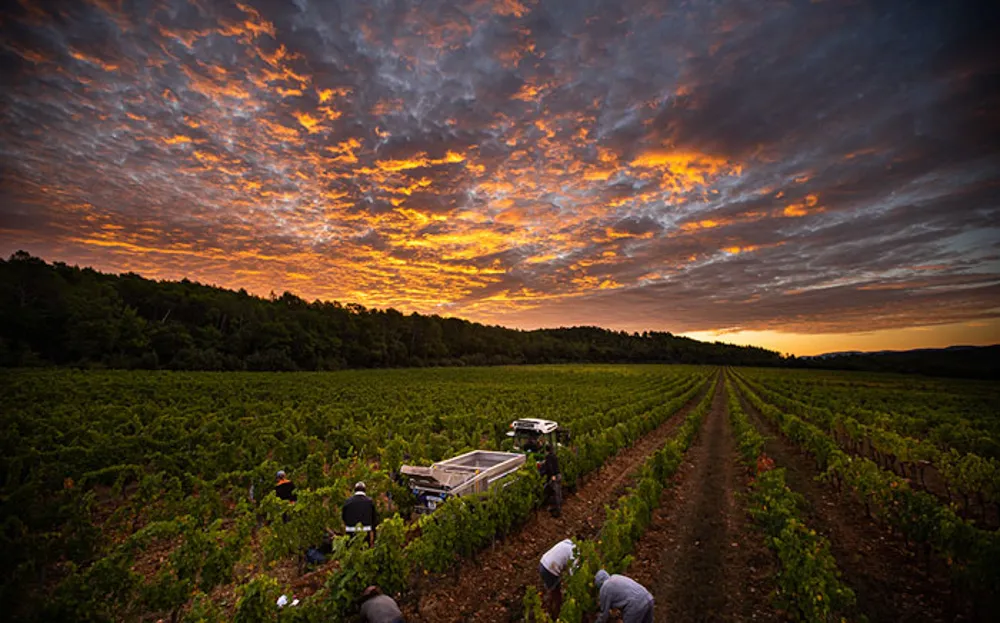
x: 57, y: 314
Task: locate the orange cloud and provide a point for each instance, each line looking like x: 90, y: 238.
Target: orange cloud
x: 527, y: 93
x: 326, y: 95
x: 747, y: 248
x: 178, y: 139
x: 802, y: 208
x: 613, y: 234
x: 279, y: 131
x: 684, y: 171
x: 251, y: 28
x: 511, y: 8
x: 598, y: 175
x: 307, y: 121
x: 93, y: 60
x: 345, y: 151
x: 703, y: 224
x: 418, y: 161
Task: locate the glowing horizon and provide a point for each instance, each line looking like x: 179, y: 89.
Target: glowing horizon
x: 526, y: 163
x: 909, y: 338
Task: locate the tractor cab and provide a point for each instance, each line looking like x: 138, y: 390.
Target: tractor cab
x: 531, y: 435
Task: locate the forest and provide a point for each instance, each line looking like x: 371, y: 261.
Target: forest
x: 56, y: 314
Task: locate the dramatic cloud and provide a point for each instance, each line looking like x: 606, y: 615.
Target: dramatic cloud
x: 813, y: 167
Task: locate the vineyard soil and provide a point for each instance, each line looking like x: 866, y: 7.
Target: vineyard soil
x: 490, y: 587
x: 700, y: 557
x: 891, y: 581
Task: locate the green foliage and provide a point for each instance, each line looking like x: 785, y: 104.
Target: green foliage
x: 108, y: 470
x: 258, y: 601
x: 904, y: 416
x: 973, y: 553
x: 578, y: 588
x: 748, y: 439
x: 102, y: 592
x: 361, y: 566
x: 626, y: 522
x: 808, y: 582
x: 293, y: 528
x: 463, y: 525
x: 533, y: 610
x: 204, y: 610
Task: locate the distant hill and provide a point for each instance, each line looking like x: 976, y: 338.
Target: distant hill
x: 982, y: 362
x: 849, y: 353
x: 55, y: 314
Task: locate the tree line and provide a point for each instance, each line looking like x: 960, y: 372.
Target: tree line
x: 56, y: 314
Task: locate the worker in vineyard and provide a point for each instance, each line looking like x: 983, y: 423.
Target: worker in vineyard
x: 621, y: 593
x: 359, y: 513
x: 561, y: 557
x: 553, y: 480
x: 377, y: 607
x: 284, y: 488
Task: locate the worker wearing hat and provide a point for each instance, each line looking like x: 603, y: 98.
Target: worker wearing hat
x: 283, y: 487
x: 359, y: 513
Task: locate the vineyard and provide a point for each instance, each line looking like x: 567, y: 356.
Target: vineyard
x: 730, y: 493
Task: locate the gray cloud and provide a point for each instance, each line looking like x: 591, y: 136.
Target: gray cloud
x: 683, y: 167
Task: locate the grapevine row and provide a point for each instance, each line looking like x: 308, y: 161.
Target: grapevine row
x: 916, y: 514
x: 958, y: 414
x: 809, y: 582
x: 970, y: 475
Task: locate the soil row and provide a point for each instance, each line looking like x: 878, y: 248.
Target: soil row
x: 701, y: 557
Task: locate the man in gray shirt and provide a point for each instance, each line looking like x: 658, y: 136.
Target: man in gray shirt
x: 625, y: 595
x: 379, y: 608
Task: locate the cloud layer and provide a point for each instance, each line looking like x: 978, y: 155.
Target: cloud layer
x: 808, y: 167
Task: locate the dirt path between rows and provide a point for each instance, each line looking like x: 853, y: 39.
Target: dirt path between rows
x: 491, y: 587
x: 700, y: 557
x: 890, y: 582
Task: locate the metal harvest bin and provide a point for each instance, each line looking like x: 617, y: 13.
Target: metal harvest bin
x: 472, y: 472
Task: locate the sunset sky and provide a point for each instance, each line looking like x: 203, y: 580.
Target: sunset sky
x: 806, y: 176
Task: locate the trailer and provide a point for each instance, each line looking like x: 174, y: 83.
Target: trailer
x: 465, y: 474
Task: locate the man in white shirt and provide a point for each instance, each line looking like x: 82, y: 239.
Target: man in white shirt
x: 559, y: 558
